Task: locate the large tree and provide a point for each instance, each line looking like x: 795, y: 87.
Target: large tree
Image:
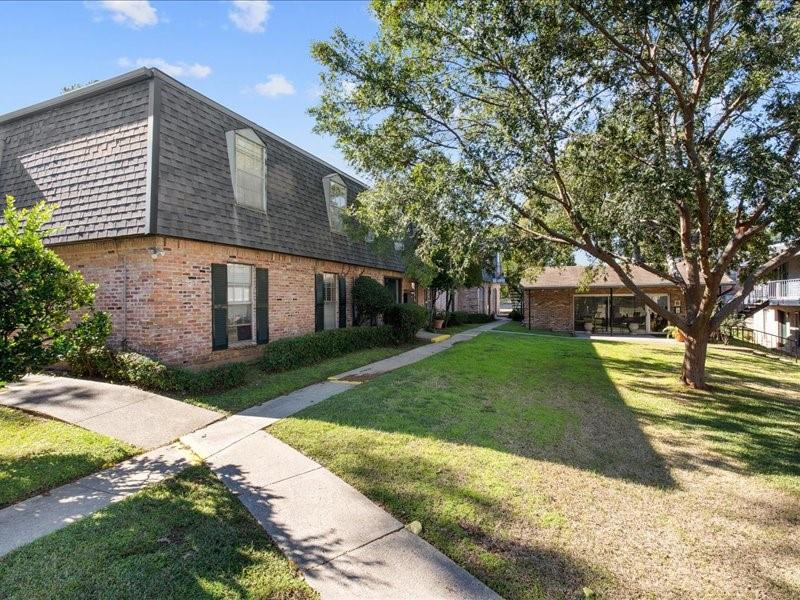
x: 642, y: 133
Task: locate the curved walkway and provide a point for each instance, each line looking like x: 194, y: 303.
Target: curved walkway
x: 141, y: 418
x: 345, y: 545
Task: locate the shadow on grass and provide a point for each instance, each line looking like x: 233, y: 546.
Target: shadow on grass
x: 550, y: 401
x: 750, y: 414
x: 184, y: 538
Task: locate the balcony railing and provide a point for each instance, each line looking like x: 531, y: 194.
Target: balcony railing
x: 782, y: 346
x: 781, y: 289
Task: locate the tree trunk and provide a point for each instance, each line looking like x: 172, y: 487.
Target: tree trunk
x: 693, y: 371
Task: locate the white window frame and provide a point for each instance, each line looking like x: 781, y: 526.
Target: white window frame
x: 334, y: 213
x: 235, y: 341
x: 251, y: 136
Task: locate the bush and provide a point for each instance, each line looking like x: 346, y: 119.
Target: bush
x: 370, y: 298
x: 406, y: 320
x: 461, y: 317
x: 88, y: 355
x: 132, y: 368
x: 515, y: 315
x: 304, y: 350
x: 38, y: 292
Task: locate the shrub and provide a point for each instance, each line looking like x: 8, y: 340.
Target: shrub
x: 406, y: 320
x: 460, y: 317
x: 141, y: 371
x: 304, y: 350
x: 515, y: 315
x: 38, y: 292
x: 371, y: 299
x: 88, y: 355
x: 132, y: 368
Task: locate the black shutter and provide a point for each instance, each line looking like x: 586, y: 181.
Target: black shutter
x: 342, y: 301
x: 219, y: 307
x: 262, y: 306
x: 319, y: 302
x: 355, y: 308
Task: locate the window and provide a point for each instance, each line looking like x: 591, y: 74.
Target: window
x: 240, y: 303
x: 247, y: 157
x: 336, y: 198
x: 394, y: 285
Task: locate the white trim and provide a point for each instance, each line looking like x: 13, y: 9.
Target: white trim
x: 326, y: 190
x: 230, y: 139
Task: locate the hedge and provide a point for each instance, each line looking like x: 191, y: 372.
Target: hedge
x: 464, y: 318
x: 136, y: 369
x: 304, y: 350
x: 406, y: 320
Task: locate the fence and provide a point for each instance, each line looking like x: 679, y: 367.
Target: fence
x: 783, y: 346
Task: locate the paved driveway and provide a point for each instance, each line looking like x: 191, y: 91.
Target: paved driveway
x: 140, y: 418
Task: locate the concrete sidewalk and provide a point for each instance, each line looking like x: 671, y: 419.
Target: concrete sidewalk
x: 140, y: 418
x: 35, y: 517
x: 346, y: 546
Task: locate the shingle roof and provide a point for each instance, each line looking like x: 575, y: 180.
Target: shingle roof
x: 145, y: 154
x: 570, y: 277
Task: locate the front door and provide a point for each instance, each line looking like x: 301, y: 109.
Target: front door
x: 329, y: 282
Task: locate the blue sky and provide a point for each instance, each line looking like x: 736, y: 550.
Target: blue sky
x: 253, y: 57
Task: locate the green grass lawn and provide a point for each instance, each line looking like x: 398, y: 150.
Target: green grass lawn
x: 259, y: 386
x: 546, y: 465
x: 187, y: 537
x: 518, y: 327
x: 38, y: 454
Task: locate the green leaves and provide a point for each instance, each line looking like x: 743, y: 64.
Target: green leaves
x: 38, y: 293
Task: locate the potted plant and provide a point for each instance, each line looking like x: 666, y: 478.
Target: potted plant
x: 676, y: 333
x: 633, y: 325
x: 588, y: 324
x: 438, y: 320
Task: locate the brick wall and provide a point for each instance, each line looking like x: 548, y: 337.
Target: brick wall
x: 553, y: 309
x: 471, y: 300
x: 158, y: 292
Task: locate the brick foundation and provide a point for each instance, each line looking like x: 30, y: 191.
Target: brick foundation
x: 158, y: 293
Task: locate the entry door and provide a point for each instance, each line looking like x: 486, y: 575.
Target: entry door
x: 329, y: 282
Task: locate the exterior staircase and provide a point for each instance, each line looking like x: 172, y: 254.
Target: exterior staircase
x: 749, y: 308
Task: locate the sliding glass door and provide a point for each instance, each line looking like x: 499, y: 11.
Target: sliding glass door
x: 622, y: 314
x: 591, y: 313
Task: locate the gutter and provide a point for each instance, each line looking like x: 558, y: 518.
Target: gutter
x: 79, y: 94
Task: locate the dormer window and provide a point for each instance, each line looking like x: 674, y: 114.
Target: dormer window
x: 247, y: 156
x: 336, y: 199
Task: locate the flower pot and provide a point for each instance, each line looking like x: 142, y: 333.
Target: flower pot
x: 438, y: 323
x: 633, y: 327
x: 588, y: 326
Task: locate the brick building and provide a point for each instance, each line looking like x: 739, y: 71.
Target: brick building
x: 207, y: 234
x: 557, y: 301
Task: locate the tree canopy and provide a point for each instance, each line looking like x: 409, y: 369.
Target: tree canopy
x: 654, y: 134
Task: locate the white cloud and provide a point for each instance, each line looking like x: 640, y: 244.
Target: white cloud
x: 135, y: 13
x: 250, y: 15
x: 178, y: 69
x: 275, y: 85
